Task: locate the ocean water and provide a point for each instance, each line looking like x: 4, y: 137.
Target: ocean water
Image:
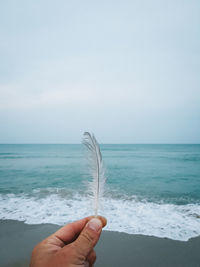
x: 150, y: 189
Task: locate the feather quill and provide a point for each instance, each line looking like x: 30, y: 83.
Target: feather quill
x: 96, y: 168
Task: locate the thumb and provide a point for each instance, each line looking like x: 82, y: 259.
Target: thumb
x: 88, y: 237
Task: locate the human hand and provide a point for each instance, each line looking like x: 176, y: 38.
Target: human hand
x: 71, y: 246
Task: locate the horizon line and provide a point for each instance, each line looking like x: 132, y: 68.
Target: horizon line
x: 100, y: 143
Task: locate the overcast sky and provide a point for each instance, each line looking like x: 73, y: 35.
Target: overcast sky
x: 128, y: 71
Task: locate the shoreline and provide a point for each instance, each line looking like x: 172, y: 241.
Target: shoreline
x: 114, y: 249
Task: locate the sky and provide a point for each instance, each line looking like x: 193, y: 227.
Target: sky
x: 127, y: 71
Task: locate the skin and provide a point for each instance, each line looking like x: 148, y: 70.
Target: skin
x: 71, y: 246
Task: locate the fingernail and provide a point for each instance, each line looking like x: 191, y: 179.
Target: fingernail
x: 94, y: 224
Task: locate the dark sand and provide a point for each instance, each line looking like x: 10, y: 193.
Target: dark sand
x: 113, y: 250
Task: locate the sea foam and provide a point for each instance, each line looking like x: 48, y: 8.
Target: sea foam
x: 178, y: 222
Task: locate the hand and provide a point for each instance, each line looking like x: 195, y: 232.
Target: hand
x: 71, y: 246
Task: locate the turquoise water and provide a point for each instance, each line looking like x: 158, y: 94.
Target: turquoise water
x: 27, y: 167
x: 46, y: 183
x: 160, y: 172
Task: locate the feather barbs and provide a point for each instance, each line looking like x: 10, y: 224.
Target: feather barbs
x: 96, y: 168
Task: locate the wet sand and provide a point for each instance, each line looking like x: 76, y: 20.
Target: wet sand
x: 113, y: 250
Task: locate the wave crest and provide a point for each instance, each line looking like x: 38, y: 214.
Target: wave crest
x: 130, y: 215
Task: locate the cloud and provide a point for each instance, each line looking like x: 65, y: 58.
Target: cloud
x: 121, y: 68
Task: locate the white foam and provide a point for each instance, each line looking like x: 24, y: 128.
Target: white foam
x: 179, y: 222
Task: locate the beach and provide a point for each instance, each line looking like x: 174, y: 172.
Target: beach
x: 113, y: 250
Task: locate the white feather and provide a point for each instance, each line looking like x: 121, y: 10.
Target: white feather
x: 96, y: 168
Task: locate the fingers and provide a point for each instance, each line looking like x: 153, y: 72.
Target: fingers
x: 102, y: 219
x: 91, y: 258
x: 70, y: 232
x: 89, y: 236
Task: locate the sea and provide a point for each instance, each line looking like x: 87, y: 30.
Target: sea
x: 150, y: 189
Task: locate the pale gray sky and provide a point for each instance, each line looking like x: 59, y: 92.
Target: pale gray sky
x: 129, y: 71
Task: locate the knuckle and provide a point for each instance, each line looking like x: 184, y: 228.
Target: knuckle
x: 76, y: 252
x: 88, y: 236
x: 85, y: 242
x: 93, y: 257
x: 35, y: 249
